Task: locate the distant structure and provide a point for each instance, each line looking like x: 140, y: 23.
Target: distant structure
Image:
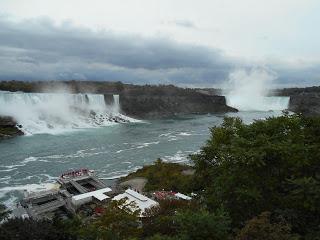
x: 140, y: 201
x: 169, y: 195
x: 74, y: 189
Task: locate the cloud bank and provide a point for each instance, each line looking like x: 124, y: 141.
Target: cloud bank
x: 38, y: 49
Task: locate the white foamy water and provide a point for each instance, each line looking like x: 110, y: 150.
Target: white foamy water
x: 248, y: 91
x: 28, y: 187
x: 248, y: 103
x: 56, y: 113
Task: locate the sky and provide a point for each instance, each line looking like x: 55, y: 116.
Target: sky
x: 195, y: 43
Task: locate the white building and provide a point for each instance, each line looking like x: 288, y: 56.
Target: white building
x: 84, y: 198
x: 141, y: 202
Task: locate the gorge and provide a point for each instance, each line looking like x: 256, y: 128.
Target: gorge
x: 79, y: 126
x: 57, y: 107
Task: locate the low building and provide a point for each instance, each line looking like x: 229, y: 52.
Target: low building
x: 84, y: 198
x: 140, y: 201
x: 74, y: 189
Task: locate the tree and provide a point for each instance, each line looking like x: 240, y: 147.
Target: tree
x: 203, y: 225
x: 4, y: 212
x: 29, y: 229
x: 118, y: 221
x: 185, y: 220
x: 270, y: 165
x: 261, y: 228
x: 163, y: 237
x: 161, y: 219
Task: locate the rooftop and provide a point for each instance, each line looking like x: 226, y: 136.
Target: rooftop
x: 98, y: 194
x: 142, y: 202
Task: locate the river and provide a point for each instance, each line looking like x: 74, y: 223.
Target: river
x: 34, y: 162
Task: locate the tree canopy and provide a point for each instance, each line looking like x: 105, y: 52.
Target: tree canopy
x: 270, y: 165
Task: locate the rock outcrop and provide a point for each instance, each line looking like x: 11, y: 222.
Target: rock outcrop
x: 148, y: 106
x: 8, y: 128
x: 303, y: 100
x: 307, y: 104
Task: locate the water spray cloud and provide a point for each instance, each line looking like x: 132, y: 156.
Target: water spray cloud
x: 249, y: 90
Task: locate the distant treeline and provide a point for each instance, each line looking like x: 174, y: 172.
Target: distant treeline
x: 100, y: 87
x: 297, y: 91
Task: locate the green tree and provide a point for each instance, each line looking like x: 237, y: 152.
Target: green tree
x: 270, y: 165
x: 161, y: 219
x: 261, y: 228
x: 203, y: 225
x: 119, y: 221
x: 163, y: 237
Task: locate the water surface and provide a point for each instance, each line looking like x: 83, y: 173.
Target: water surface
x: 34, y: 162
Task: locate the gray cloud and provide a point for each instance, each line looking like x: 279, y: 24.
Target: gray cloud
x: 40, y: 50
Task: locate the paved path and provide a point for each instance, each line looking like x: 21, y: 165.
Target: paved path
x: 135, y: 183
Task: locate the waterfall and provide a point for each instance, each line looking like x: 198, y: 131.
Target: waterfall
x: 58, y: 112
x: 116, y: 103
x: 258, y: 104
x: 249, y: 91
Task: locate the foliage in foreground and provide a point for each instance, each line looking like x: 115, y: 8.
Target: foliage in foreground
x: 29, y: 229
x: 270, y: 165
x: 263, y: 228
x: 117, y: 222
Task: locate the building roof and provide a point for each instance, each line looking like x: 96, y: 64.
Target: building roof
x: 98, y: 194
x: 142, y: 202
x: 182, y: 196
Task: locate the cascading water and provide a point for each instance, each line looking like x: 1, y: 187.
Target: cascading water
x: 116, y: 103
x: 248, y: 91
x: 59, y: 112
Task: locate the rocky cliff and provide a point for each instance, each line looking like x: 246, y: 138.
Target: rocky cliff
x: 157, y: 106
x: 307, y: 104
x: 303, y: 100
x: 8, y: 128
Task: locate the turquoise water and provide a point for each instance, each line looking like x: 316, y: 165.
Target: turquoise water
x: 34, y: 162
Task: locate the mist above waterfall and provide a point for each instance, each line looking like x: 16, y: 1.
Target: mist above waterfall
x: 59, y: 112
x: 249, y: 90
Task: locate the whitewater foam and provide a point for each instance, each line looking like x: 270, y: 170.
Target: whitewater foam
x: 57, y: 113
x: 27, y: 187
x: 249, y: 90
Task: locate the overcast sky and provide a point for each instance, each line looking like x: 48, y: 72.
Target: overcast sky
x: 190, y: 43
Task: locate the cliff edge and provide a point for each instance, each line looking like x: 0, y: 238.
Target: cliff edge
x: 303, y: 100
x: 148, y: 106
x: 8, y: 128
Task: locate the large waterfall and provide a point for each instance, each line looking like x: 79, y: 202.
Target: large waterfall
x: 250, y: 90
x: 254, y: 103
x: 59, y: 112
